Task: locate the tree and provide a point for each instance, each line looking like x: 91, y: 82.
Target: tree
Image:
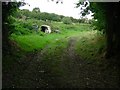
x: 25, y: 12
x: 107, y: 15
x: 8, y: 9
x: 84, y: 8
x: 36, y: 9
x: 67, y: 20
x: 55, y: 17
x: 112, y: 29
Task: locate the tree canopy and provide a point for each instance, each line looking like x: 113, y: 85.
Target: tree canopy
x: 36, y: 9
x: 107, y: 15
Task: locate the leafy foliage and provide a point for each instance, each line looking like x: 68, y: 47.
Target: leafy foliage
x: 67, y: 20
x: 36, y: 9
x: 107, y: 16
x: 36, y: 14
x: 9, y: 9
x: 99, y: 15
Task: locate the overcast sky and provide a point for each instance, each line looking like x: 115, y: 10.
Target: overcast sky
x: 66, y: 9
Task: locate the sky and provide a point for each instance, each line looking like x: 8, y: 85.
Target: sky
x: 66, y: 9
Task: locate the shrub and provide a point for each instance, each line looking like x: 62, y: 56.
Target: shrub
x: 20, y: 29
x: 67, y: 20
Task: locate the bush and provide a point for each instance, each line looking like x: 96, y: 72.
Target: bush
x: 28, y: 25
x: 21, y: 31
x: 21, y: 28
x: 67, y: 20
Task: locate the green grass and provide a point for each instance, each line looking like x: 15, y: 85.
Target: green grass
x: 37, y: 41
x: 54, y: 58
x: 31, y: 42
x: 91, y: 45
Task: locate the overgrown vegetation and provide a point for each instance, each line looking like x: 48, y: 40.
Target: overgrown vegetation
x: 38, y: 40
x: 75, y: 57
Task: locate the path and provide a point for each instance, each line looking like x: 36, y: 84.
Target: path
x: 66, y: 70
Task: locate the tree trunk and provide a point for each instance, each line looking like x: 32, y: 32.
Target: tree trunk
x: 5, y: 39
x: 113, y: 31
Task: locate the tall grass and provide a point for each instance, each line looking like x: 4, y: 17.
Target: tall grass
x: 91, y: 45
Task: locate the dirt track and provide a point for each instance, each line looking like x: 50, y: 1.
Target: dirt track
x: 66, y: 70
